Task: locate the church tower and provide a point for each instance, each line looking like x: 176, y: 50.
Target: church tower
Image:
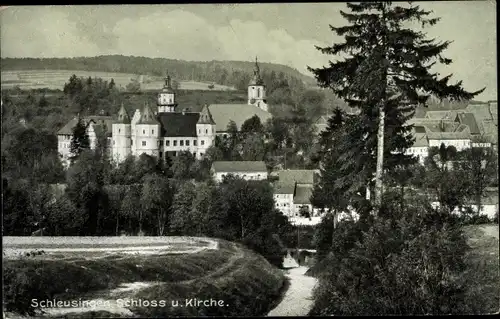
x: 166, y: 98
x: 205, y: 130
x: 257, y: 89
x: 121, y: 135
x: 147, y: 133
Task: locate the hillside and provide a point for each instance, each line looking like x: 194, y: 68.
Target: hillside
x: 220, y: 72
x: 246, y: 283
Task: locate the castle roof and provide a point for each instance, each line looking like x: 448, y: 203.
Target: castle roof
x: 147, y: 116
x: 105, y: 121
x: 178, y: 124
x: 239, y: 166
x: 123, y: 116
x: 239, y: 113
x: 206, y: 116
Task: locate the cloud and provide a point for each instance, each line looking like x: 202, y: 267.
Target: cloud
x: 176, y: 34
x: 47, y: 33
x: 184, y: 35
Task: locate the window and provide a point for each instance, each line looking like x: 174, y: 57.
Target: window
x: 206, y: 131
x: 201, y: 154
x: 195, y: 142
x: 175, y: 142
x: 153, y: 132
x: 202, y: 142
x: 114, y: 142
x: 167, y: 143
x: 131, y: 142
x: 194, y: 154
x: 143, y: 131
x: 258, y: 92
x: 161, y: 154
x: 258, y: 175
x: 143, y: 143
x: 212, y: 130
x: 160, y: 143
x: 181, y: 143
x: 119, y: 130
x: 187, y: 142
x: 199, y: 131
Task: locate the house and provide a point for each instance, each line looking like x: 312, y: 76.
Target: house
x: 449, y: 134
x: 420, y: 147
x: 93, y: 124
x: 165, y: 131
x: 293, y: 190
x: 248, y: 170
x: 489, y: 205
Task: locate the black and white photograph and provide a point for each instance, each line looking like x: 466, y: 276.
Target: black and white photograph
x: 249, y: 159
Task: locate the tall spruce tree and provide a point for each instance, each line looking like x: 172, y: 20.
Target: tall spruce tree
x: 80, y: 139
x: 386, y: 74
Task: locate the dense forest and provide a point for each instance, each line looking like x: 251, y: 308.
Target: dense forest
x: 231, y: 73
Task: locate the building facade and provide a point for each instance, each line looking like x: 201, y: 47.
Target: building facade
x: 247, y: 170
x: 165, y: 131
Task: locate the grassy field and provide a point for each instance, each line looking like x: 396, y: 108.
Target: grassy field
x: 245, y: 282
x: 483, y: 273
x: 55, y: 79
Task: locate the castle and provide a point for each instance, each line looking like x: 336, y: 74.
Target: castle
x: 167, y: 130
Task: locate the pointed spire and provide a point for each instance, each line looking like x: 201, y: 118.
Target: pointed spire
x: 256, y: 80
x: 206, y: 116
x: 167, y: 87
x: 147, y: 115
x: 123, y: 116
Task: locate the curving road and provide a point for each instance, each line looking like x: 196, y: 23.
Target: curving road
x: 298, y: 299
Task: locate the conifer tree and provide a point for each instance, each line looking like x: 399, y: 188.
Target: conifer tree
x: 386, y: 74
x: 79, y: 140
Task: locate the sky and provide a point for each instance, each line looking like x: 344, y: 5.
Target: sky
x: 284, y: 33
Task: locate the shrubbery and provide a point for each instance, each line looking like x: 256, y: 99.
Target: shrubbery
x: 405, y: 262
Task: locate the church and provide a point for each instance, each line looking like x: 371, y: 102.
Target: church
x: 170, y: 128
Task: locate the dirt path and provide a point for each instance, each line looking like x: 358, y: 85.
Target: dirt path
x: 298, y: 299
x: 490, y: 230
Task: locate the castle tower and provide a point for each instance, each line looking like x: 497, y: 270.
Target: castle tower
x: 166, y: 98
x: 205, y: 130
x: 121, y: 135
x: 257, y: 89
x: 147, y: 133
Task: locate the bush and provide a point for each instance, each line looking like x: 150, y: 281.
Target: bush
x: 405, y: 262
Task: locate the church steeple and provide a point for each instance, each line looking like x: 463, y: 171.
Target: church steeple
x: 256, y: 80
x: 166, y: 98
x: 257, y: 89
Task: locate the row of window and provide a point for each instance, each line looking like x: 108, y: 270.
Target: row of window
x: 153, y: 131
x: 284, y: 205
x: 284, y: 195
x: 181, y: 143
x: 160, y: 154
x: 245, y: 175
x: 167, y: 143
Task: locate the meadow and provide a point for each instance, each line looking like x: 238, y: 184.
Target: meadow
x: 55, y: 79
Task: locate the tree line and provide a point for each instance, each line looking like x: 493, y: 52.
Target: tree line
x: 231, y: 73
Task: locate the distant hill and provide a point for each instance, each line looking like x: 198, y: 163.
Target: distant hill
x: 228, y: 73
